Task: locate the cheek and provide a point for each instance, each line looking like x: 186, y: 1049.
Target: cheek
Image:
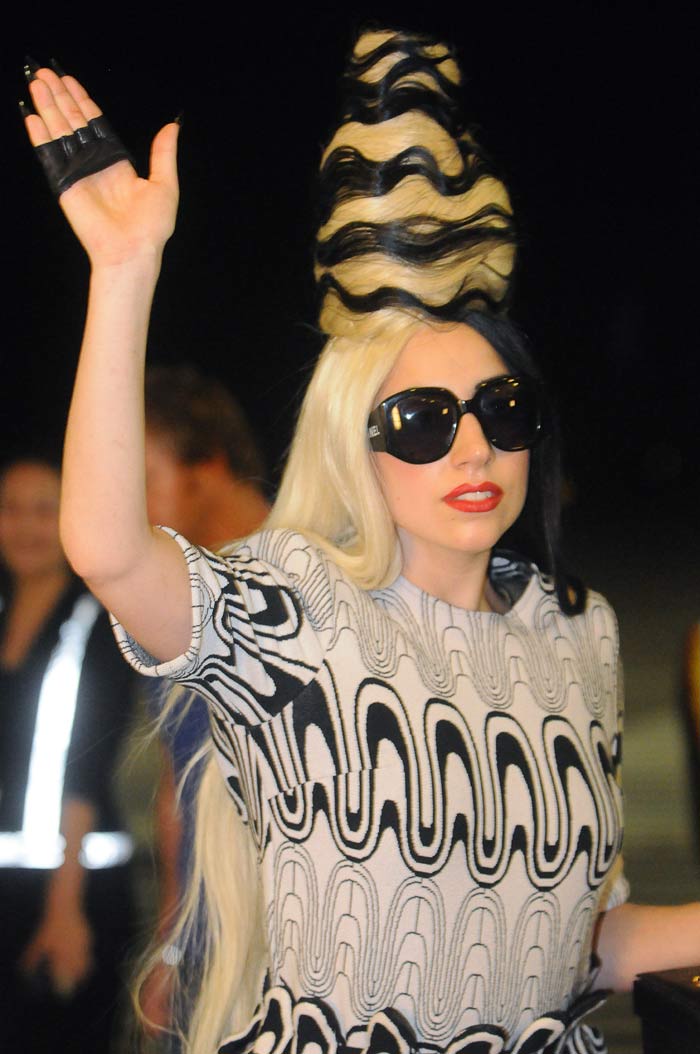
x: 47, y: 530
x: 402, y: 485
x: 519, y: 475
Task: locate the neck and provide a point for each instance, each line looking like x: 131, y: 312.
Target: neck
x: 233, y: 509
x: 459, y: 578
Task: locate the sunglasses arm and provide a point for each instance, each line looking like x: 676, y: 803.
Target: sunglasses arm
x: 376, y: 432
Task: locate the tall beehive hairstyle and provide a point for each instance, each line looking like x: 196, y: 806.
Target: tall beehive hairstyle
x: 411, y: 215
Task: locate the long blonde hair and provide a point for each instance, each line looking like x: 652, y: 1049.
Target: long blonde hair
x: 415, y: 231
x: 330, y: 493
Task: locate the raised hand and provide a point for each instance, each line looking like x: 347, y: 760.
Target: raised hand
x: 116, y: 215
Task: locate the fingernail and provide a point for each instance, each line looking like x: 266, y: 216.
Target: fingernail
x: 26, y: 111
x: 179, y: 119
x: 30, y: 68
x: 58, y: 69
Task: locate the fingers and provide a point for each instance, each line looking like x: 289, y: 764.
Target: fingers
x: 71, y: 137
x: 36, y: 130
x: 164, y: 156
x: 80, y: 97
x: 62, y: 105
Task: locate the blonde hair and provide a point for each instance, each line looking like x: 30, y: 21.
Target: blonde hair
x: 412, y: 215
x: 329, y: 490
x: 416, y: 231
x: 221, y: 920
x: 218, y: 937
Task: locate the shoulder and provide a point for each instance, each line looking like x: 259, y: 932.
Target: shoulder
x: 298, y: 559
x: 520, y: 580
x: 510, y: 574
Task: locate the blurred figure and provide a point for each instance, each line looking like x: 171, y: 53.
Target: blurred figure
x: 204, y: 471
x: 690, y: 696
x: 204, y: 477
x: 60, y: 676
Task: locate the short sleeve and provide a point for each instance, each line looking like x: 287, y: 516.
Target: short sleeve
x: 616, y: 889
x: 261, y: 620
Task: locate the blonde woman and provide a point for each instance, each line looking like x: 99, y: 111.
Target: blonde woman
x: 409, y: 833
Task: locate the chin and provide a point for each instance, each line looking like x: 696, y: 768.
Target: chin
x: 478, y: 539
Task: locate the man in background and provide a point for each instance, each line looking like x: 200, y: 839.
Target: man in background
x: 204, y: 478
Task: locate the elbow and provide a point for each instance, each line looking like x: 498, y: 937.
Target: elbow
x: 616, y: 977
x: 93, y: 555
x: 618, y: 966
x: 86, y: 558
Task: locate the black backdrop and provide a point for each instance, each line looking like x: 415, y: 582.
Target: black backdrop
x: 591, y: 114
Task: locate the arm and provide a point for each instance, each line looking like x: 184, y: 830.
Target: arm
x: 637, y: 938
x: 123, y: 223
x: 64, y: 938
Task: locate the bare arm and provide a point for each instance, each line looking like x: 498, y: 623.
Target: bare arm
x: 64, y: 938
x: 123, y: 223
x: 638, y: 938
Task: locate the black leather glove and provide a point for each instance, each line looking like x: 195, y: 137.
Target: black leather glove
x: 86, y: 151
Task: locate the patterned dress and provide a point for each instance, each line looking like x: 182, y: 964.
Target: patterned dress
x: 433, y: 794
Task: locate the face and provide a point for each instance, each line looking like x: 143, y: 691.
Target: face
x: 29, y: 500
x: 171, y: 486
x: 439, y: 514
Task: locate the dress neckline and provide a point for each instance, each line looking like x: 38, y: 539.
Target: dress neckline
x: 409, y: 589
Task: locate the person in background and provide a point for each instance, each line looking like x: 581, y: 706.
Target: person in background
x: 204, y: 469
x: 409, y: 830
x: 64, y: 703
x: 204, y: 473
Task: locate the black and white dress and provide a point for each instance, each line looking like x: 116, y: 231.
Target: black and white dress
x: 433, y: 793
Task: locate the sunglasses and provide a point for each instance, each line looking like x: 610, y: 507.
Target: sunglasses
x: 419, y: 425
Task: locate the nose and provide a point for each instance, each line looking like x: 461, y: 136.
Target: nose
x: 470, y: 444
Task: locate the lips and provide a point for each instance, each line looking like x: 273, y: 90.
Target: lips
x: 479, y: 497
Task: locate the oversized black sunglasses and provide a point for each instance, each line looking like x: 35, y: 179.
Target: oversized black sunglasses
x: 419, y: 425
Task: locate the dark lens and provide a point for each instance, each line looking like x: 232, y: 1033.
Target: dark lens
x: 421, y: 426
x: 509, y: 413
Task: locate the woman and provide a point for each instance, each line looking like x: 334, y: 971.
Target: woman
x: 63, y: 932
x: 420, y: 734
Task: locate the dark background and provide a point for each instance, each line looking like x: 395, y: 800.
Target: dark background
x: 590, y: 112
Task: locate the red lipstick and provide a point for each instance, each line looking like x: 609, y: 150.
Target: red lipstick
x: 486, y: 496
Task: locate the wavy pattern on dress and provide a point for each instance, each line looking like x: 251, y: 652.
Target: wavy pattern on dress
x: 444, y: 977
x: 467, y: 761
x: 446, y: 783
x: 284, y: 1025
x: 258, y: 632
x: 555, y: 658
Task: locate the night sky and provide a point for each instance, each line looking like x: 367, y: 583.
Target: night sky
x: 591, y: 115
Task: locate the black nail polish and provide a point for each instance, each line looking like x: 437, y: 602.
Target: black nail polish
x: 30, y: 68
x: 58, y: 69
x: 26, y: 111
x: 179, y: 119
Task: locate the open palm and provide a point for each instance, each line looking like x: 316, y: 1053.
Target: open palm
x: 115, y: 214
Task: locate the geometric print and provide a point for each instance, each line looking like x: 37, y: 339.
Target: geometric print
x: 434, y: 796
